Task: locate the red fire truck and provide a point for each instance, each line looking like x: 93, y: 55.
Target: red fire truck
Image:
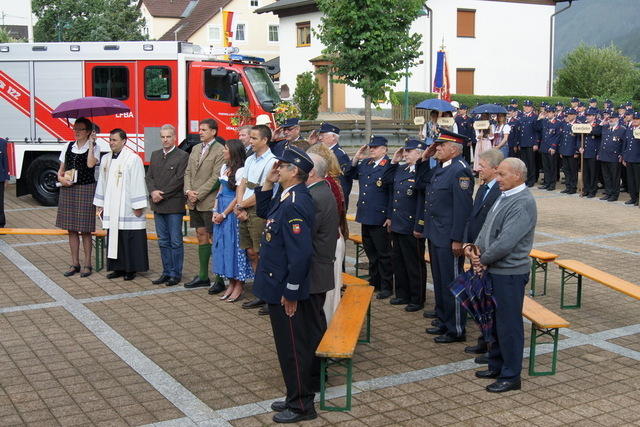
x: 162, y: 82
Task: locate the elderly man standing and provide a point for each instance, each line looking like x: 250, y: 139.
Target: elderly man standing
x: 165, y: 182
x: 448, y: 200
x: 200, y: 183
x: 288, y: 132
x: 329, y: 135
x: 503, y: 247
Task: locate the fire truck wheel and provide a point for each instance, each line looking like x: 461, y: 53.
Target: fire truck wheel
x: 42, y: 174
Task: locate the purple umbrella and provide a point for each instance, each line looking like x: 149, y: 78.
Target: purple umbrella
x: 90, y: 106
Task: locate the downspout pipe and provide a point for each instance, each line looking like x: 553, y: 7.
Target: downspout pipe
x: 551, y: 45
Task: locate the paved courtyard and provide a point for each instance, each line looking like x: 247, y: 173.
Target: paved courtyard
x: 92, y: 351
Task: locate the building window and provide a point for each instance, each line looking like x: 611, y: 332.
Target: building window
x: 273, y: 33
x: 214, y: 34
x: 157, y: 83
x: 253, y: 3
x: 240, y: 32
x: 466, y: 23
x: 304, y: 33
x: 464, y: 80
x: 111, y: 82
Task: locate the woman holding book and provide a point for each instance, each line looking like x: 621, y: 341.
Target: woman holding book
x: 76, y: 212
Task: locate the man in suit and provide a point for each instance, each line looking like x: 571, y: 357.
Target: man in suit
x: 486, y: 196
x: 283, y: 281
x: 4, y: 178
x: 200, y: 182
x: 329, y: 135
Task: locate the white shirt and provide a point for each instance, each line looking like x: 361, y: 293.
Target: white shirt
x: 173, y: 147
x: 505, y: 194
x: 76, y: 150
x: 257, y: 168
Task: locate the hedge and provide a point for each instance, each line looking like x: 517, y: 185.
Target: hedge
x: 397, y: 98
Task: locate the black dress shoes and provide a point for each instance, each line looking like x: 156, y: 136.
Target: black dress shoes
x: 413, y: 307
x: 447, y: 339
x: 612, y: 199
x: 429, y: 314
x: 288, y: 416
x: 435, y: 331
x: 436, y: 322
x: 605, y: 197
x: 501, y: 386
x: 571, y: 192
x: 482, y: 359
x: 383, y: 294
x: 254, y: 303
x: 630, y: 202
x: 487, y: 374
x: 543, y: 187
x: 264, y: 311
x: 129, y: 276
x: 279, y: 405
x: 160, y: 280
x: 197, y: 282
x: 552, y: 188
x: 398, y: 301
x: 115, y: 274
x: 216, y: 288
x: 565, y: 191
x: 173, y: 281
x: 475, y: 349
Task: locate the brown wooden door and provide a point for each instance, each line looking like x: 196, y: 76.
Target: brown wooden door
x: 464, y: 81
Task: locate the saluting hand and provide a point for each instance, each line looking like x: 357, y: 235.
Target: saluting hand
x: 397, y: 156
x: 429, y: 152
x: 360, y: 154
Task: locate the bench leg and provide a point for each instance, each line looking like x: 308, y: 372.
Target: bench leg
x: 184, y: 228
x: 367, y: 338
x: 99, y: 244
x: 536, y: 266
x: 535, y: 334
x: 325, y: 363
x: 566, y: 276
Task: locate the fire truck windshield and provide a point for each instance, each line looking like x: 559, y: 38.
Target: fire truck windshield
x: 263, y: 87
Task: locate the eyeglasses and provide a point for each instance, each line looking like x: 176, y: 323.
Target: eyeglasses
x: 285, y: 165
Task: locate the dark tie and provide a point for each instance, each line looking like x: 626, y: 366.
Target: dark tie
x: 484, y: 188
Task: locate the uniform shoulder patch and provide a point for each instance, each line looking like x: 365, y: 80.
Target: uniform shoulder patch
x: 464, y: 182
x: 383, y: 162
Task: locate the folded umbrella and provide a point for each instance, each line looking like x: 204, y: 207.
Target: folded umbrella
x: 90, y: 106
x: 475, y: 294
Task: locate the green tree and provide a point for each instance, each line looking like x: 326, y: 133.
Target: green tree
x: 370, y: 44
x: 602, y: 72
x: 7, y: 37
x: 307, y: 95
x: 87, y: 20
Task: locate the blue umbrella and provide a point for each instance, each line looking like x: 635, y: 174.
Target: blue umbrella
x: 436, y: 104
x: 475, y: 294
x: 489, y: 109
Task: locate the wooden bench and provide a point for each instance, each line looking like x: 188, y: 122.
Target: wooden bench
x: 349, y: 280
x: 340, y: 340
x: 543, y: 323
x: 539, y: 263
x: 351, y: 217
x: 572, y: 269
x: 357, y: 240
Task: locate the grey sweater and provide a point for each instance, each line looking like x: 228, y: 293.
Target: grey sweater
x: 506, y: 238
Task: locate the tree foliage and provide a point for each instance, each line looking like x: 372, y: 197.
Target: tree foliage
x: 369, y: 43
x: 308, y: 95
x: 7, y: 37
x: 601, y: 72
x: 87, y: 20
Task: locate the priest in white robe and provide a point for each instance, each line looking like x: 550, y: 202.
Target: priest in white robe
x: 121, y: 197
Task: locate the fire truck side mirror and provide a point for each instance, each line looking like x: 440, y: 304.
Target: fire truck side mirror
x: 233, y: 79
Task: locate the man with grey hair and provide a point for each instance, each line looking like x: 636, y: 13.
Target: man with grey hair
x: 165, y: 181
x: 485, y: 197
x: 502, y: 252
x: 329, y: 135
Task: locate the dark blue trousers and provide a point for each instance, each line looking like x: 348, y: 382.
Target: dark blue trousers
x: 444, y: 269
x: 505, y: 353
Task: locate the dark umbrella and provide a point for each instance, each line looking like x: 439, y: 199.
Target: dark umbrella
x: 475, y: 294
x: 436, y: 104
x: 90, y: 106
x: 489, y: 109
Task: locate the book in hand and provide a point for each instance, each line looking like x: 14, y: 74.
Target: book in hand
x: 71, y: 175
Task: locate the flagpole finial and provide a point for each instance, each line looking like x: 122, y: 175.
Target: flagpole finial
x: 442, y: 45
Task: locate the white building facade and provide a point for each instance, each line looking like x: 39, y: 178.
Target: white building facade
x: 494, y: 47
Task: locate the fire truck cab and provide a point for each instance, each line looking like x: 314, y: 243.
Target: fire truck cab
x: 161, y: 82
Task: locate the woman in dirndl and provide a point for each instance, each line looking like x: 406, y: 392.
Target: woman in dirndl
x: 76, y: 212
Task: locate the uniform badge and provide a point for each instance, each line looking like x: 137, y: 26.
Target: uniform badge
x: 409, y: 192
x: 295, y: 228
x: 383, y: 162
x: 267, y: 236
x: 379, y: 182
x: 464, y: 182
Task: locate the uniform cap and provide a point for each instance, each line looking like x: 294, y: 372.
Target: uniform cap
x: 636, y: 115
x: 527, y: 103
x: 328, y: 127
x: 629, y: 112
x: 559, y: 104
x: 448, y: 136
x: 377, y: 141
x: 463, y: 107
x: 412, y: 144
x: 511, y: 108
x: 593, y: 100
x: 296, y: 157
x: 608, y: 101
x: 614, y: 115
x: 544, y: 104
x: 549, y: 109
x: 570, y: 111
x: 622, y: 107
x: 293, y: 121
x: 581, y: 104
x: 575, y: 99
x: 592, y: 112
x: 629, y: 103
x: 513, y: 101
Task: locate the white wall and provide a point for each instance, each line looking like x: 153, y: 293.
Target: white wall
x: 295, y: 60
